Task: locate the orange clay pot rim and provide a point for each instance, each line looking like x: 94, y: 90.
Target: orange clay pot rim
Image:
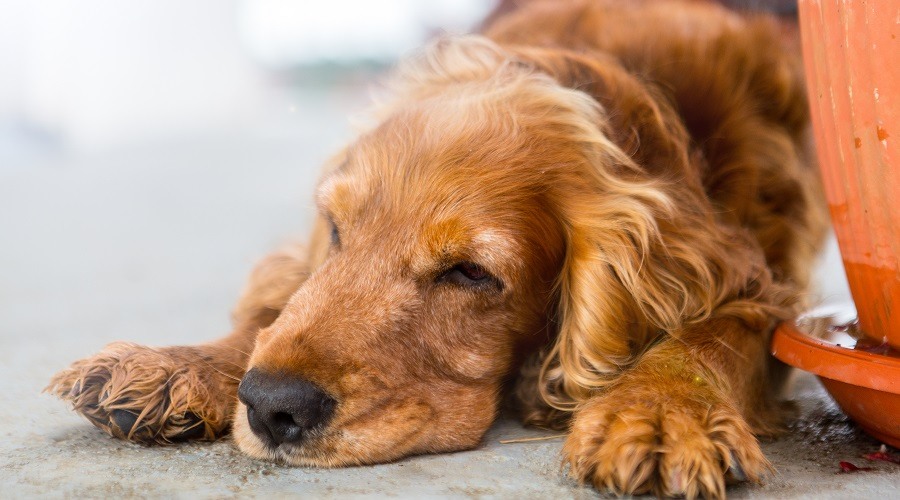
x: 828, y: 360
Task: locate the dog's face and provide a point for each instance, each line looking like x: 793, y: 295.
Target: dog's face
x: 444, y: 255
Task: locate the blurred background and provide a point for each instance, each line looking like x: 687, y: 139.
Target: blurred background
x: 152, y: 150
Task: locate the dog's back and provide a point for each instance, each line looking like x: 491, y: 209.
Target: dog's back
x: 735, y: 85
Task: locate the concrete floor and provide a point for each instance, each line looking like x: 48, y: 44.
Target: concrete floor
x: 150, y: 243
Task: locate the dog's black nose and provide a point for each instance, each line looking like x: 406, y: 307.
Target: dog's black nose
x: 282, y: 408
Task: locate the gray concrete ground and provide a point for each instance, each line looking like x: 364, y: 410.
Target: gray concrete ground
x: 150, y: 243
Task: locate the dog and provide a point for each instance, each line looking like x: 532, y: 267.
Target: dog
x: 597, y: 210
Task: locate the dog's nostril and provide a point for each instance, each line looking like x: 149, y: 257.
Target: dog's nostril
x: 282, y: 408
x: 282, y: 418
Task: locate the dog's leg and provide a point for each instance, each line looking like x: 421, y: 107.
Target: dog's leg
x: 161, y: 395
x: 679, y: 422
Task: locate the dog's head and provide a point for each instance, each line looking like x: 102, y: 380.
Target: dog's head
x: 463, y: 230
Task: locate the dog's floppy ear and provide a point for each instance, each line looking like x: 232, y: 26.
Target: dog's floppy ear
x: 645, y: 256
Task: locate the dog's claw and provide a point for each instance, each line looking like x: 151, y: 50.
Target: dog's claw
x: 124, y: 420
x: 193, y: 429
x: 736, y: 472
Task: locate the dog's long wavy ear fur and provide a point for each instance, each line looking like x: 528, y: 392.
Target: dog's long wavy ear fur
x: 645, y: 256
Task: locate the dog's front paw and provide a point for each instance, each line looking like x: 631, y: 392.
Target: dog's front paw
x: 675, y: 439
x: 148, y: 395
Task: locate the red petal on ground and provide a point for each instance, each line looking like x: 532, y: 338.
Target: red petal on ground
x: 848, y: 467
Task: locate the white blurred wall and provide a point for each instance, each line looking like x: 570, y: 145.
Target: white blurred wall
x: 99, y: 73
x: 86, y: 75
x: 283, y: 33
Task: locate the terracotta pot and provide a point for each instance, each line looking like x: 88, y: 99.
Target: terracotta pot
x: 852, y: 59
x: 850, y: 51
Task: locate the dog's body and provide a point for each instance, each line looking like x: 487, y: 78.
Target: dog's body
x: 612, y: 200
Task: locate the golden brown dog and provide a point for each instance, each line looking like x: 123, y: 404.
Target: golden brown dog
x: 598, y: 208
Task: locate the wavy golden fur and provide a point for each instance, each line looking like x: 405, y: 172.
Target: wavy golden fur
x: 598, y: 208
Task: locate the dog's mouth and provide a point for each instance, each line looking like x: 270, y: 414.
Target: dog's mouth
x: 286, y: 418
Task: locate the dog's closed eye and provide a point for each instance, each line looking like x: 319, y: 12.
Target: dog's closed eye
x: 335, y: 235
x: 469, y: 274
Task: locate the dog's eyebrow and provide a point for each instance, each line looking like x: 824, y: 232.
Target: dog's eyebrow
x: 335, y: 171
x: 324, y: 192
x: 491, y: 238
x: 330, y: 191
x: 452, y: 241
